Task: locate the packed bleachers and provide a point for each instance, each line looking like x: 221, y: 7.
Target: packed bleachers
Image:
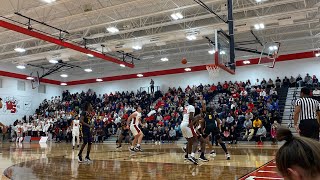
x: 246, y: 110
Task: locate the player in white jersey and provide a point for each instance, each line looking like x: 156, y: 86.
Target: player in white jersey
x: 187, y: 129
x: 75, y: 131
x: 134, y: 120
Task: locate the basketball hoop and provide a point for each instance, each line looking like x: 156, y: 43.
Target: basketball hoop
x: 213, y: 70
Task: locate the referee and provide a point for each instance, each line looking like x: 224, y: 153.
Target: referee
x: 308, y: 112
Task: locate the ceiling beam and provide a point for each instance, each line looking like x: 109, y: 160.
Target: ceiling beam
x: 62, y: 43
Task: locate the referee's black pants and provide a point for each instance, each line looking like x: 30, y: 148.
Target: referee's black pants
x: 309, y: 128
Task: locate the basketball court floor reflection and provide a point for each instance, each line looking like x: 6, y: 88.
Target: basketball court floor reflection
x: 58, y: 161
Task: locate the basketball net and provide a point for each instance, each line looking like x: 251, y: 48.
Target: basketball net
x: 213, y: 70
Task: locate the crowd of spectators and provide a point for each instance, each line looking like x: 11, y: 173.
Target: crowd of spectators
x: 246, y: 110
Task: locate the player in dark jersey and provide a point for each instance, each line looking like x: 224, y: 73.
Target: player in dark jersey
x: 85, y: 120
x: 124, y: 130
x: 212, y: 124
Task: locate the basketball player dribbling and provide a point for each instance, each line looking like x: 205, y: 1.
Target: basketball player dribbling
x: 75, y: 131
x: 211, y: 125
x: 85, y: 120
x: 187, y: 129
x: 134, y: 120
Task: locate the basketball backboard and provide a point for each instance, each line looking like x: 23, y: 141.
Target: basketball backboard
x: 35, y: 80
x: 269, y: 54
x: 221, y: 51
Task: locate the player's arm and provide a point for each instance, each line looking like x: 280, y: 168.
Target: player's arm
x: 133, y: 115
x: 194, y: 119
x: 84, y: 123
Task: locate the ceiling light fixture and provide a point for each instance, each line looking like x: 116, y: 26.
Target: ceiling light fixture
x: 20, y: 50
x: 259, y: 26
x: 53, y: 61
x: 88, y: 70
x: 177, y: 16
x: 64, y: 75
x: 273, y: 48
x: 99, y: 80
x: 112, y: 29
x: 63, y: 84
x: 30, y: 78
x: 246, y: 62
x: 212, y: 51
x: 191, y: 37
x: 49, y: 1
x: 137, y: 47
x: 222, y: 52
x: 164, y: 59
x: 90, y: 55
x: 140, y: 75
x: 21, y: 66
x: 317, y: 54
x: 187, y: 69
x: 122, y: 65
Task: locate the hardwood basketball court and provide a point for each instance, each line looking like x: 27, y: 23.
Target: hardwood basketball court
x: 59, y: 161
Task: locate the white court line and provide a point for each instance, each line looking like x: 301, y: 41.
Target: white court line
x: 261, y: 171
x: 258, y: 177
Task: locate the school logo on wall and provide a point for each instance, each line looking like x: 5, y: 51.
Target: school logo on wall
x: 11, y: 105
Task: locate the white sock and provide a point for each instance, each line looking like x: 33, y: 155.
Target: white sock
x: 138, y: 145
x: 189, y: 155
x: 192, y: 154
x: 132, y: 147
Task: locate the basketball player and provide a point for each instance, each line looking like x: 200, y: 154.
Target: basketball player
x: 134, y: 120
x: 75, y: 131
x: 187, y: 129
x: 85, y: 120
x: 212, y: 125
x: 124, y: 131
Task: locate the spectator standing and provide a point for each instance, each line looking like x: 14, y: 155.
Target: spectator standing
x: 152, y: 86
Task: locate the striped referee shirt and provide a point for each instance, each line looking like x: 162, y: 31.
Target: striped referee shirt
x: 309, y: 108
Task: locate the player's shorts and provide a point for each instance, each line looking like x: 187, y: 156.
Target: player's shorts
x: 135, y: 130
x: 87, y: 137
x: 211, y: 129
x: 187, y: 132
x: 75, y: 132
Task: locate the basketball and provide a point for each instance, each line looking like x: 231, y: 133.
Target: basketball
x: 184, y: 61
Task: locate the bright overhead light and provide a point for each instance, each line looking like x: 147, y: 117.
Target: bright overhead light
x: 53, y: 61
x: 176, y: 16
x: 64, y: 75
x: 63, y: 84
x: 20, y: 50
x: 259, y: 26
x: 112, y: 29
x: 140, y: 75
x: 88, y: 70
x: 191, y: 37
x: 90, y: 55
x: 49, y: 1
x: 122, y: 65
x: 187, y: 69
x: 258, y: 1
x: 30, y: 78
x: 222, y: 52
x: 164, y: 59
x: 137, y: 47
x: 317, y: 54
x: 273, y: 48
x: 21, y: 66
x: 246, y: 62
x: 211, y: 51
x: 99, y: 80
